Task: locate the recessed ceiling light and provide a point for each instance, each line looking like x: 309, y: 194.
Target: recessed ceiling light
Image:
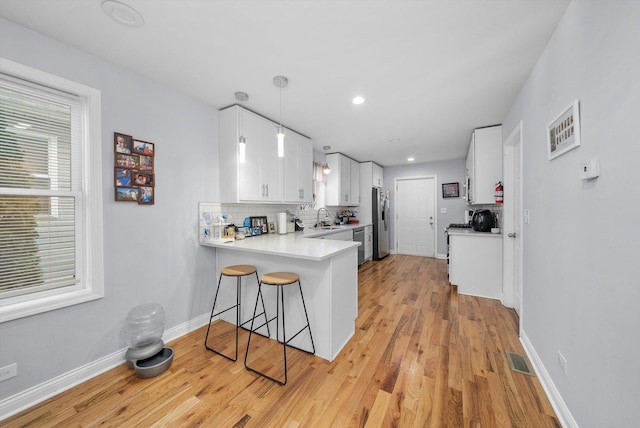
x: 358, y: 100
x: 122, y: 13
x: 326, y: 147
x: 411, y: 159
x: 395, y: 141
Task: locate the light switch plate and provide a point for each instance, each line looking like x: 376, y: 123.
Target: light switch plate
x: 443, y: 210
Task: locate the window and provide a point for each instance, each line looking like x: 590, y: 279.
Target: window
x: 50, y: 192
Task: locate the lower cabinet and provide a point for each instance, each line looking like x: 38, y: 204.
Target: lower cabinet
x: 343, y: 235
x: 475, y: 264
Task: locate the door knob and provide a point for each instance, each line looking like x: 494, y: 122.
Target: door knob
x: 512, y: 235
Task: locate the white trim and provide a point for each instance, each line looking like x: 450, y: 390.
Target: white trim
x: 508, y: 262
x: 89, y: 226
x: 37, y: 394
x: 559, y: 406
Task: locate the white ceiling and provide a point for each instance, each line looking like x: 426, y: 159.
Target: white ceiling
x: 430, y: 70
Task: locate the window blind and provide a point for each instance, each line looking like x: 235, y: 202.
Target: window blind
x: 38, y: 193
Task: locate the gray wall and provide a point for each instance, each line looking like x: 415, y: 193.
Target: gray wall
x: 581, y: 271
x: 150, y: 252
x: 447, y: 172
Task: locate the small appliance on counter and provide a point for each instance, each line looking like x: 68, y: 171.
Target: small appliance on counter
x: 483, y: 221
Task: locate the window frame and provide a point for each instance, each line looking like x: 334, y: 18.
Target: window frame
x: 89, y: 225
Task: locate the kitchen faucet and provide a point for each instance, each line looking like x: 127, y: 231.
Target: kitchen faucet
x: 326, y: 215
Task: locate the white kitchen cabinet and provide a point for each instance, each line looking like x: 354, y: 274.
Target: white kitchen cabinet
x: 475, y: 263
x: 484, y: 165
x: 343, y: 185
x: 371, y: 175
x: 298, y: 168
x: 354, y: 183
x: 261, y: 176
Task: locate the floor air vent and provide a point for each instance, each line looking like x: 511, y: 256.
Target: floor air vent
x: 519, y: 363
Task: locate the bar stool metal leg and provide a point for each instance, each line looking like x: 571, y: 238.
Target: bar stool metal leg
x: 237, y: 307
x: 285, y: 341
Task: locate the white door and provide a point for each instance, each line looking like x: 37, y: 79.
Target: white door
x: 512, y: 221
x: 415, y: 216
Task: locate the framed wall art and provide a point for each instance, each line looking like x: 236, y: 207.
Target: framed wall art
x: 123, y: 177
x: 146, y: 163
x: 127, y: 161
x: 127, y: 194
x: 563, y: 133
x: 143, y: 148
x: 133, y: 176
x: 146, y: 195
x: 122, y: 143
x: 450, y: 190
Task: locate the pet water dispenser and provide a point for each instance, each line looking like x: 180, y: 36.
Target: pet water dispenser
x: 147, y: 353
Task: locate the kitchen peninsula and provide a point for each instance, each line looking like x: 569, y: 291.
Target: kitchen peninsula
x: 328, y: 272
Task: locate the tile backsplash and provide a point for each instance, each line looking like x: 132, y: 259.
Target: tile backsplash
x: 236, y: 213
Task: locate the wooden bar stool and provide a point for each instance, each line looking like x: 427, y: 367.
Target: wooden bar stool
x: 279, y: 280
x: 237, y: 271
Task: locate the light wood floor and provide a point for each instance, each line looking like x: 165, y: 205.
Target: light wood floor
x: 422, y: 355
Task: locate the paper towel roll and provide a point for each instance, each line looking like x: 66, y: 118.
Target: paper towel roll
x: 282, y: 223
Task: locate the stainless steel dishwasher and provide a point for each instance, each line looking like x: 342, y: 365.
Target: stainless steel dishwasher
x: 358, y: 236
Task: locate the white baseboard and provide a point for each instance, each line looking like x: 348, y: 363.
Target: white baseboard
x: 37, y: 394
x: 441, y: 256
x: 559, y: 406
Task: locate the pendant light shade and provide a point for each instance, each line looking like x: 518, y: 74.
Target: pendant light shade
x: 280, y: 82
x: 242, y: 142
x: 326, y: 169
x: 242, y: 149
x: 280, y: 142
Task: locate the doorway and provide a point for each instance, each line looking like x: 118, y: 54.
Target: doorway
x: 512, y: 221
x: 416, y: 216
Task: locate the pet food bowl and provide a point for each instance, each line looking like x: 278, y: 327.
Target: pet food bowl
x: 154, y: 365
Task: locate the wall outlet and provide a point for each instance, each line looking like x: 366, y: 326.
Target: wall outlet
x: 443, y: 210
x: 8, y: 372
x: 526, y: 216
x: 562, y: 361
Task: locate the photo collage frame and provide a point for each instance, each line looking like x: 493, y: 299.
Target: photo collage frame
x: 134, y: 177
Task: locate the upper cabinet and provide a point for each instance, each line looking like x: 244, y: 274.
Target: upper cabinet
x: 484, y: 165
x: 354, y: 169
x: 298, y: 168
x: 343, y: 183
x: 371, y: 175
x: 261, y: 176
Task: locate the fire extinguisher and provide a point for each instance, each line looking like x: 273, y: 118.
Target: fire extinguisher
x: 499, y: 192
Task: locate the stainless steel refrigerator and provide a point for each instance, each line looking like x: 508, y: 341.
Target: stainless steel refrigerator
x: 381, y: 219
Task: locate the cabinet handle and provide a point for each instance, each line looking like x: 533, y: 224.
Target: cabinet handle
x: 267, y: 187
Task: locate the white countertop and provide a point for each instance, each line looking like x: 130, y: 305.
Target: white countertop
x: 471, y: 232
x: 295, y: 245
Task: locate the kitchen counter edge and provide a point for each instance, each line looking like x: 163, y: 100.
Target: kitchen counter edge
x: 297, y: 245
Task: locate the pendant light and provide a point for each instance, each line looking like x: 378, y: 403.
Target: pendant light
x: 242, y: 142
x: 326, y: 169
x: 280, y: 82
